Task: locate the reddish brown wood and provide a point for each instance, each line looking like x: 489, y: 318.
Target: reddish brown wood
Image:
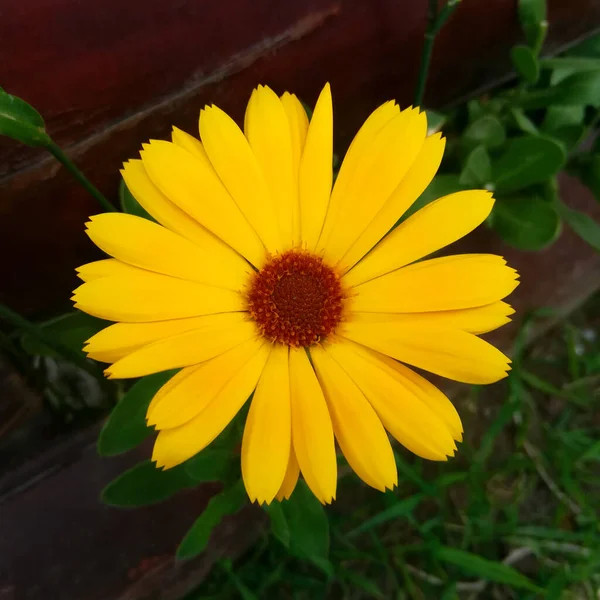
x: 120, y: 73
x: 57, y: 540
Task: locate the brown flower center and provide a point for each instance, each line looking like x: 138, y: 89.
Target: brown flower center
x: 296, y: 299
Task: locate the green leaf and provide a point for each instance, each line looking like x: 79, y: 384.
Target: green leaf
x: 565, y: 124
x: 399, y: 509
x: 478, y: 168
x: 523, y: 122
x: 228, y: 502
x: 487, y: 130
x: 245, y: 593
x: 527, y: 160
x: 532, y: 16
x: 580, y: 89
x: 483, y: 568
x: 145, y: 484
x: 474, y: 110
x: 559, y: 116
x: 440, y: 186
x: 308, y: 525
x: 569, y: 136
x: 435, y: 121
x: 72, y: 329
x: 129, y: 204
x: 588, y: 48
x: 525, y: 63
x: 126, y: 426
x: 526, y: 222
x: 362, y: 583
x: 211, y: 464
x: 574, y: 63
x: 560, y: 74
x: 21, y: 122
x: 583, y: 225
x: 279, y: 525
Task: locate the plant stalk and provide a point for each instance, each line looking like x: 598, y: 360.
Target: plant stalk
x: 435, y: 22
x: 58, y: 153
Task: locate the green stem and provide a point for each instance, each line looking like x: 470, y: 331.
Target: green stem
x: 67, y: 353
x: 57, y: 152
x: 435, y: 22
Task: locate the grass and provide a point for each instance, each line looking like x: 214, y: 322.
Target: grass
x: 515, y: 515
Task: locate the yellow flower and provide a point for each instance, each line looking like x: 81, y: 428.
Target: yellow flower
x: 263, y: 277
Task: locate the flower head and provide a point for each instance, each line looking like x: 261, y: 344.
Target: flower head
x: 262, y: 278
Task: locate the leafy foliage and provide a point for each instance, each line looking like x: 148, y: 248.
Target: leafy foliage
x: 145, y: 484
x: 516, y: 142
x: 126, y: 426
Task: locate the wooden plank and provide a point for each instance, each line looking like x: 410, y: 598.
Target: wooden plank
x: 57, y: 540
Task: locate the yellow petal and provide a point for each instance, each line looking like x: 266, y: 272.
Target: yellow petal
x: 147, y: 296
x: 431, y: 228
x: 448, y: 283
x: 235, y: 163
x: 190, y: 143
x: 191, y: 390
x: 378, y: 173
x: 298, y: 124
x: 174, y: 446
x: 104, y: 268
x: 150, y: 246
x: 195, y: 188
x: 312, y: 431
x: 403, y: 413
x: 268, y: 434
x: 164, y: 211
x: 480, y: 319
x: 437, y: 401
x: 120, y: 339
x: 316, y: 170
x: 357, y: 427
x: 184, y: 349
x: 447, y: 352
x: 291, y: 477
x: 269, y: 135
x: 413, y: 184
x: 360, y: 144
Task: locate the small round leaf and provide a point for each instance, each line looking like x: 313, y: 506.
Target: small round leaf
x: 527, y: 223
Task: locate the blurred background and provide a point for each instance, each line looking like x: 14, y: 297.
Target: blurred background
x: 516, y: 514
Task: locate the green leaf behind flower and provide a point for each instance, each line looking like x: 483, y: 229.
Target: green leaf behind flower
x: 129, y: 204
x: 301, y: 524
x: 487, y: 130
x: 527, y: 160
x: 526, y: 222
x: 71, y: 330
x: 212, y: 464
x: 126, y: 426
x: 145, y: 484
x: 583, y: 225
x: 228, y: 502
x: 477, y: 170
